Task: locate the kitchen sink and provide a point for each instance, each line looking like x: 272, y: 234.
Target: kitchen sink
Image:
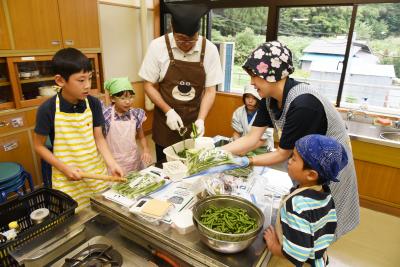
x: 394, y: 136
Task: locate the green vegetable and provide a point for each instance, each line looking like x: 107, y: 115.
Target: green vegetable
x: 230, y: 220
x: 182, y: 153
x: 203, y: 159
x: 240, y: 172
x: 138, y: 185
x: 194, y: 130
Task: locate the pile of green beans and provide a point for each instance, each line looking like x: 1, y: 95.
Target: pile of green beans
x: 229, y: 220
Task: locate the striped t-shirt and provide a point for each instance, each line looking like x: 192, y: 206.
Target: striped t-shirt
x: 308, y: 225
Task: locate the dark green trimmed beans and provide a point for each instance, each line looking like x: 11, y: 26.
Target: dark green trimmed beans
x: 229, y: 220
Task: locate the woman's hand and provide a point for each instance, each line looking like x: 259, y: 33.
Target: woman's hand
x: 146, y: 158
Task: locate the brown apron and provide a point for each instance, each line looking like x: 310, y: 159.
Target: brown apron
x: 278, y: 225
x: 182, y: 89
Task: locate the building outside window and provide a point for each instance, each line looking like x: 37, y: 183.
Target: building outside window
x: 372, y: 79
x: 317, y: 37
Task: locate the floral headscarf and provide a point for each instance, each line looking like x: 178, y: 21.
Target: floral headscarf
x: 324, y: 154
x: 271, y: 61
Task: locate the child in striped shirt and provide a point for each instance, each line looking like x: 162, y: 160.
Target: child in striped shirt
x: 306, y: 220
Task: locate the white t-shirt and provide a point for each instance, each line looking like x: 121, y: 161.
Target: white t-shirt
x: 156, y: 61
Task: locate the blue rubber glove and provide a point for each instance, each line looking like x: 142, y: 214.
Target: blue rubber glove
x: 242, y: 162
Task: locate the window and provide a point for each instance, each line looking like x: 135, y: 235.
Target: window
x: 237, y: 32
x: 373, y: 72
x: 317, y: 37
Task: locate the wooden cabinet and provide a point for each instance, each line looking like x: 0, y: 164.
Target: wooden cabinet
x: 16, y: 141
x: 378, y: 176
x: 4, y: 34
x: 79, y: 23
x: 6, y: 91
x: 35, y: 24
x: 52, y: 24
x: 33, y: 80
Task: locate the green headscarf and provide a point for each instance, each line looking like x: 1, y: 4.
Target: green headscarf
x: 116, y: 85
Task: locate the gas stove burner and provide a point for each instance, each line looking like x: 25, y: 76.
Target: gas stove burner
x: 98, y: 255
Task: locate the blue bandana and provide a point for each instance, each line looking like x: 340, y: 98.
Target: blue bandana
x: 324, y: 155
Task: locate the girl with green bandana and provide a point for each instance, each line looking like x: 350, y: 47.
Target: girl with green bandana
x: 122, y: 124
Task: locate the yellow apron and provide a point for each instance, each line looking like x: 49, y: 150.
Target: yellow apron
x: 74, y: 145
x: 278, y: 225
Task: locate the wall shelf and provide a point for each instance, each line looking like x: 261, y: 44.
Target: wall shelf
x: 37, y: 79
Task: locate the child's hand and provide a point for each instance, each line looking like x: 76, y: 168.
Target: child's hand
x: 146, y: 158
x: 72, y: 173
x: 116, y: 170
x: 271, y: 238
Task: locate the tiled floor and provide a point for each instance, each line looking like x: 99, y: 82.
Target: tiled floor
x: 374, y: 243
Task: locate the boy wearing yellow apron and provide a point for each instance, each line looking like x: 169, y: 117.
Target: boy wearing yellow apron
x: 73, y: 120
x: 306, y: 221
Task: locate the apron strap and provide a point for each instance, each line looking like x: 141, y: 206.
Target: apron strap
x: 171, y: 55
x: 278, y: 225
x: 203, y: 49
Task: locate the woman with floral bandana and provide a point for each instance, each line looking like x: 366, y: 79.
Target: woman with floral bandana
x: 295, y: 110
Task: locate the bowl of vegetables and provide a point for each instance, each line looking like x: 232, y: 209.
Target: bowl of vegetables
x: 227, y: 224
x: 178, y: 150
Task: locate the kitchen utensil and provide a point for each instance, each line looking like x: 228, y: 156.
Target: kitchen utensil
x: 103, y: 177
x: 25, y: 75
x: 39, y: 215
x: 223, y: 242
x: 48, y: 90
x: 182, y: 131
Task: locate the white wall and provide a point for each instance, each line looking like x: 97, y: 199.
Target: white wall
x: 120, y: 33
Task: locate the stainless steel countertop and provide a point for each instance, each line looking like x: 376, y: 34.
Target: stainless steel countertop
x: 366, y: 132
x: 187, y: 247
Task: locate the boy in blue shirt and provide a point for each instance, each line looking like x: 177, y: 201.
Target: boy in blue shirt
x: 73, y: 120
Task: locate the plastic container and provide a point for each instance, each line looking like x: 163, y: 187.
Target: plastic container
x: 183, y: 222
x: 176, y: 170
x: 60, y: 205
x: 170, y: 150
x: 203, y: 142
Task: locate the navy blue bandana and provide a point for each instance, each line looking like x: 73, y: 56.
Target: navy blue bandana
x: 271, y: 61
x: 324, y: 155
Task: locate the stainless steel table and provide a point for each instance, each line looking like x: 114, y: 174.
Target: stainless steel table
x: 187, y: 247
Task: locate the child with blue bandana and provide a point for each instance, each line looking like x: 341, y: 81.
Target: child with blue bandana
x: 307, y: 220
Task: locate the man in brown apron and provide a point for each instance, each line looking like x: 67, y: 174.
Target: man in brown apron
x: 185, y: 93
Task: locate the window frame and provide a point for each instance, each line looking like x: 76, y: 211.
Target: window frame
x: 274, y: 7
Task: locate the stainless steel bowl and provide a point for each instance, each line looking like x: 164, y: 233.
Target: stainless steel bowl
x: 222, y: 242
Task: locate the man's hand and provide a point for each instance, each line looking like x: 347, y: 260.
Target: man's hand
x: 199, y: 124
x: 174, y: 121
